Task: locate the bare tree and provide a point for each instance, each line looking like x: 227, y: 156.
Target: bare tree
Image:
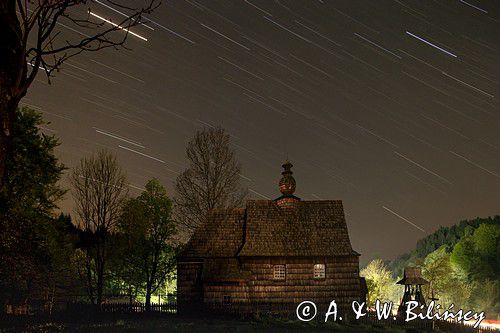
x: 212, y: 179
x: 99, y: 191
x: 31, y: 39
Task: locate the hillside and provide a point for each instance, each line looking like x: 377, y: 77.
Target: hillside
x: 447, y: 236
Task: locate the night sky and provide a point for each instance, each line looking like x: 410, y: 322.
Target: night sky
x: 391, y: 106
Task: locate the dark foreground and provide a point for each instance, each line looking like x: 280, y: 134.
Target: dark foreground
x: 174, y: 323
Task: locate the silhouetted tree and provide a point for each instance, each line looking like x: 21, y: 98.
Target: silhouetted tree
x: 99, y: 190
x: 30, y: 247
x: 31, y: 39
x: 212, y: 179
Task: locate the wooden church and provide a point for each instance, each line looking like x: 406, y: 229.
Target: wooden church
x: 281, y: 251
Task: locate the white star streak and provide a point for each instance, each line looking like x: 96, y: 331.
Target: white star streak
x: 475, y: 7
x: 244, y: 70
x: 362, y: 61
x: 142, y: 154
x: 377, y: 136
x: 242, y: 87
x: 422, y: 167
x: 312, y: 66
x: 204, y: 123
x: 265, y: 104
x: 136, y: 187
x: 74, y: 30
x: 258, y: 8
x: 424, y: 182
x: 171, y: 31
x: 433, y: 45
x: 40, y: 67
x: 263, y: 46
x: 404, y: 219
x: 244, y: 177
x: 116, y: 136
x: 87, y: 71
x: 468, y: 85
x: 317, y: 33
x: 116, y: 70
x: 121, y: 13
x: 260, y: 195
x: 118, y: 26
x: 475, y: 164
x: 286, y: 29
x: 222, y: 35
x: 375, y: 44
x: 425, y: 83
x: 444, y: 126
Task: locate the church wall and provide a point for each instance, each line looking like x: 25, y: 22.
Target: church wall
x: 341, y: 283
x: 189, y: 284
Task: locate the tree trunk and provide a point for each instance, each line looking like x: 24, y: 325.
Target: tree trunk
x: 100, y: 282
x: 148, y: 296
x: 12, y: 77
x: 7, y: 115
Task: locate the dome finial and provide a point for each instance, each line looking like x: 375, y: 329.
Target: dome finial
x: 287, y: 182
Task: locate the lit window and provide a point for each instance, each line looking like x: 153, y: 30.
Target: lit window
x: 226, y: 300
x: 279, y: 272
x: 319, y: 271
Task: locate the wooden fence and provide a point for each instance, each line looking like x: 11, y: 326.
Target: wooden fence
x: 126, y: 307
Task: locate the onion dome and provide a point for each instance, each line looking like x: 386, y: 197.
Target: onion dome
x: 287, y: 182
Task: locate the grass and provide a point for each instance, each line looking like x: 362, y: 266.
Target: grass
x: 175, y: 323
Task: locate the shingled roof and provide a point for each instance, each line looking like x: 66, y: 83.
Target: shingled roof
x: 413, y: 276
x: 311, y: 228
x: 220, y: 236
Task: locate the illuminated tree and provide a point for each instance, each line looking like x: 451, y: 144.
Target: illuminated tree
x: 148, y: 228
x: 448, y: 284
x: 381, y: 285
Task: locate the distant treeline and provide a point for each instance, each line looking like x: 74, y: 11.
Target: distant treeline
x: 444, y: 236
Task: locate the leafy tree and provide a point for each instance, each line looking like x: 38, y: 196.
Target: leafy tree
x: 31, y: 245
x: 33, y: 170
x: 485, y: 296
x: 211, y: 180
x: 446, y: 282
x: 148, y: 228
x: 381, y: 285
x: 463, y: 255
x: 478, y: 254
x: 99, y: 190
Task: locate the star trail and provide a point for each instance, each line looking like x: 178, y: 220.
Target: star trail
x: 391, y: 106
